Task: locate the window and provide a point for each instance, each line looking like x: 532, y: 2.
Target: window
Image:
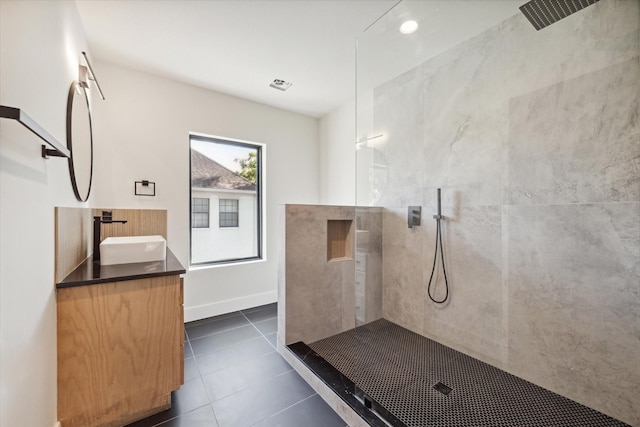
x: 227, y: 174
x: 199, y: 212
x: 228, y: 213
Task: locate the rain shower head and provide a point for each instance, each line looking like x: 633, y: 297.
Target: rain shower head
x: 542, y: 13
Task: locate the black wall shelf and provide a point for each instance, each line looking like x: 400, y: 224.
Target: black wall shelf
x: 57, y: 149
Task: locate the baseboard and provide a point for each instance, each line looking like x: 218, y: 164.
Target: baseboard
x: 227, y: 306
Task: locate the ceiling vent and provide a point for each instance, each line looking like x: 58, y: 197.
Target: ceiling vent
x: 280, y: 84
x: 545, y: 12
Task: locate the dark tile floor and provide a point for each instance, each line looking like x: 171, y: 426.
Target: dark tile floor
x: 235, y: 378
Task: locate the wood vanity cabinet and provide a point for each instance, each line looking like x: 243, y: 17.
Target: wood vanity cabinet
x: 120, y: 350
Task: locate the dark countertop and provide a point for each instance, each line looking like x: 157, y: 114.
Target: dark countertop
x: 86, y: 274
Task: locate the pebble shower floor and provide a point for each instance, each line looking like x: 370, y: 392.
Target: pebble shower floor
x: 398, y: 369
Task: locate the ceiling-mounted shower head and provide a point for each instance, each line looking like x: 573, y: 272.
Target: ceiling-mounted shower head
x: 542, y: 13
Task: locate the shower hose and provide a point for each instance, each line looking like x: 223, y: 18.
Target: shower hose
x: 435, y: 258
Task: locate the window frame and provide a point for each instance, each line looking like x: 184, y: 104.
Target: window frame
x: 236, y: 211
x: 208, y: 211
x: 260, y: 197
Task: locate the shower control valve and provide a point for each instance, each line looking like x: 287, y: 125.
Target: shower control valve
x: 413, y: 216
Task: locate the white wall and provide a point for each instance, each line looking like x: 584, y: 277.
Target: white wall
x: 40, y: 44
x: 142, y: 132
x: 337, y: 156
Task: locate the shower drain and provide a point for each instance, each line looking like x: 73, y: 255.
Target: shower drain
x: 442, y: 388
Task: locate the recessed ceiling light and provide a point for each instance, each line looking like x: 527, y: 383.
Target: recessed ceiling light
x: 408, y: 27
x: 280, y: 84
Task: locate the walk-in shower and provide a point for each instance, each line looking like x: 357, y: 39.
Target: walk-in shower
x: 533, y: 138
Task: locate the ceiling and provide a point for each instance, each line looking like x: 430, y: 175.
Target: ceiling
x: 239, y: 47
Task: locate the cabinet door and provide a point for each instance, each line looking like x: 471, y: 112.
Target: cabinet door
x: 119, y: 350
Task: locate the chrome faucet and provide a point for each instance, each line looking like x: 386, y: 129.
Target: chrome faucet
x: 106, y: 218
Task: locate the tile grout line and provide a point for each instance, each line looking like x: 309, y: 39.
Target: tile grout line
x: 211, y: 401
x: 206, y: 320
x: 193, y: 353
x: 259, y: 331
x: 240, y: 312
x: 248, y: 386
x: 226, y: 345
x: 220, y: 332
x: 197, y: 365
x: 200, y: 375
x: 259, y: 308
x: 183, y: 414
x: 256, y: 384
x: 288, y: 407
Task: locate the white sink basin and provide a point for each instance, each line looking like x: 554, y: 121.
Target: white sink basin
x: 125, y: 250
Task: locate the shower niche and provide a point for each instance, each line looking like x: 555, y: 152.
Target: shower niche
x: 339, y: 239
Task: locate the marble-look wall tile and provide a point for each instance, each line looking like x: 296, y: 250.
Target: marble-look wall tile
x: 574, y: 301
x: 398, y: 117
x: 463, y: 115
x: 598, y: 36
x: 471, y: 319
x: 583, y: 149
x: 404, y: 291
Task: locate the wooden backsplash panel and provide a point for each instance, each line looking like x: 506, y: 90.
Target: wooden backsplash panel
x: 74, y: 232
x: 140, y: 222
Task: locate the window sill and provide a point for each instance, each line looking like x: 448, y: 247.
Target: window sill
x: 225, y: 264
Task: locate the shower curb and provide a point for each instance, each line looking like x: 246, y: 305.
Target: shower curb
x: 333, y: 399
x: 344, y: 388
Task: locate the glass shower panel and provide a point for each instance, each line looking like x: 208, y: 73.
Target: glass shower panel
x: 532, y: 136
x: 409, y: 119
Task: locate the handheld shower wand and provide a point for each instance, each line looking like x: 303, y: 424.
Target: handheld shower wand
x: 438, y: 217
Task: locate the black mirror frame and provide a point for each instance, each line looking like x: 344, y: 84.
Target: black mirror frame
x: 75, y: 86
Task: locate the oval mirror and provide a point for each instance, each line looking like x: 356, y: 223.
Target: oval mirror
x: 79, y: 141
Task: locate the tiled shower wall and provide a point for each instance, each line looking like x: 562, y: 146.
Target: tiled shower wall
x: 534, y: 139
